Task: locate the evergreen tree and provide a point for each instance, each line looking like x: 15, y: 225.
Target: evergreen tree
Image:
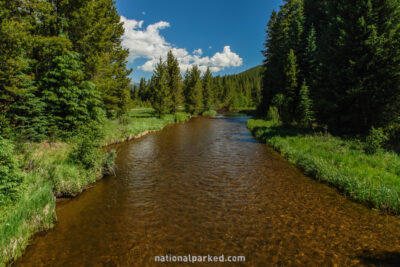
x: 20, y: 108
x: 71, y: 101
x: 360, y: 64
x: 193, y: 91
x: 291, y: 87
x: 310, y: 66
x: 208, y: 97
x: 143, y: 90
x: 95, y: 29
x: 10, y: 173
x: 161, y: 98
x: 174, y: 81
x: 306, y: 112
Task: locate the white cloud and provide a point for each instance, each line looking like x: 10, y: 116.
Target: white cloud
x: 149, y: 44
x: 198, y: 52
x: 210, y: 47
x: 143, y: 13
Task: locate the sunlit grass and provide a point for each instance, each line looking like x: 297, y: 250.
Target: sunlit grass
x: 209, y: 113
x: 138, y: 121
x: 372, y: 179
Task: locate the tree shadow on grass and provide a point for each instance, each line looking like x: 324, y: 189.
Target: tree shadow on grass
x: 264, y: 133
x: 143, y: 114
x: 380, y: 258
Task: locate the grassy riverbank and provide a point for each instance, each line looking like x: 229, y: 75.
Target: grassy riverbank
x: 370, y: 179
x: 48, y: 171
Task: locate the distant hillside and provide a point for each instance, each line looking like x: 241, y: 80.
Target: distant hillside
x: 256, y: 71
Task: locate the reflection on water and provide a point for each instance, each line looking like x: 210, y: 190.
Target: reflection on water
x: 208, y: 187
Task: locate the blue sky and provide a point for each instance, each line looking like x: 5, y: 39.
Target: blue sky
x: 229, y: 34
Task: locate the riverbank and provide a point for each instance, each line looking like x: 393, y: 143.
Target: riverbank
x: 48, y: 172
x: 370, y: 179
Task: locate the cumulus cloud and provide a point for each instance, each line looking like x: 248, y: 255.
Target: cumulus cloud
x: 148, y: 43
x: 198, y: 52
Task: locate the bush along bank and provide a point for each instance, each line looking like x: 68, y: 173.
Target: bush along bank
x: 34, y: 174
x: 369, y: 177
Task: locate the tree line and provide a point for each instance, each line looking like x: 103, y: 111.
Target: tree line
x: 62, y: 66
x: 334, y: 64
x: 167, y: 91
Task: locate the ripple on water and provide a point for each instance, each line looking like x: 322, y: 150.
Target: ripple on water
x: 207, y: 187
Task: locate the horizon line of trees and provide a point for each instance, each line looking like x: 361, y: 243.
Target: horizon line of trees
x: 334, y: 64
x: 167, y: 91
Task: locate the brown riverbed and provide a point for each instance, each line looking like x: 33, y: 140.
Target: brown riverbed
x: 208, y: 187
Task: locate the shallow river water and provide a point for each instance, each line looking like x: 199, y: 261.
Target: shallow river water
x: 208, y: 187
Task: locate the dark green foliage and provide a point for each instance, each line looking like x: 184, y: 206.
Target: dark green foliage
x: 208, y: 94
x: 348, y: 54
x: 291, y: 87
x: 34, y: 35
x: 193, y: 91
x: 71, y: 102
x: 273, y: 114
x: 20, y: 109
x: 306, y: 112
x: 96, y: 32
x: 86, y: 150
x: 375, y: 140
x: 242, y: 90
x: 10, y: 173
x: 174, y: 81
x: 161, y: 95
x: 238, y: 91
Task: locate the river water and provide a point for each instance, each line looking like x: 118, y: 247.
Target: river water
x: 208, y: 187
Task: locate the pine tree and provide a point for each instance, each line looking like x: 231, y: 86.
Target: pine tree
x: 193, y: 91
x: 71, y: 101
x: 291, y: 87
x: 306, y: 112
x: 20, y: 108
x: 95, y: 29
x: 310, y: 66
x: 359, y: 60
x: 161, y: 98
x: 10, y: 173
x: 174, y: 81
x: 208, y: 97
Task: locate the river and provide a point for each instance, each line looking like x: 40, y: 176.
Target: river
x: 208, y: 187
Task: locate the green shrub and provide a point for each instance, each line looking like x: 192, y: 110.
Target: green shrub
x: 86, y: 151
x: 375, y: 140
x: 125, y: 119
x: 10, y: 173
x: 210, y: 113
x: 109, y: 162
x: 273, y: 114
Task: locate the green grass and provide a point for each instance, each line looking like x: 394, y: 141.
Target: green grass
x: 49, y: 172
x: 241, y: 108
x: 370, y: 179
x: 138, y: 121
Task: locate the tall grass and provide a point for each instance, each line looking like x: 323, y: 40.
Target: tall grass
x: 49, y: 171
x: 370, y: 179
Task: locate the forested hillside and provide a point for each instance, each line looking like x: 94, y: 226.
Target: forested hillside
x: 335, y: 64
x: 202, y: 92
